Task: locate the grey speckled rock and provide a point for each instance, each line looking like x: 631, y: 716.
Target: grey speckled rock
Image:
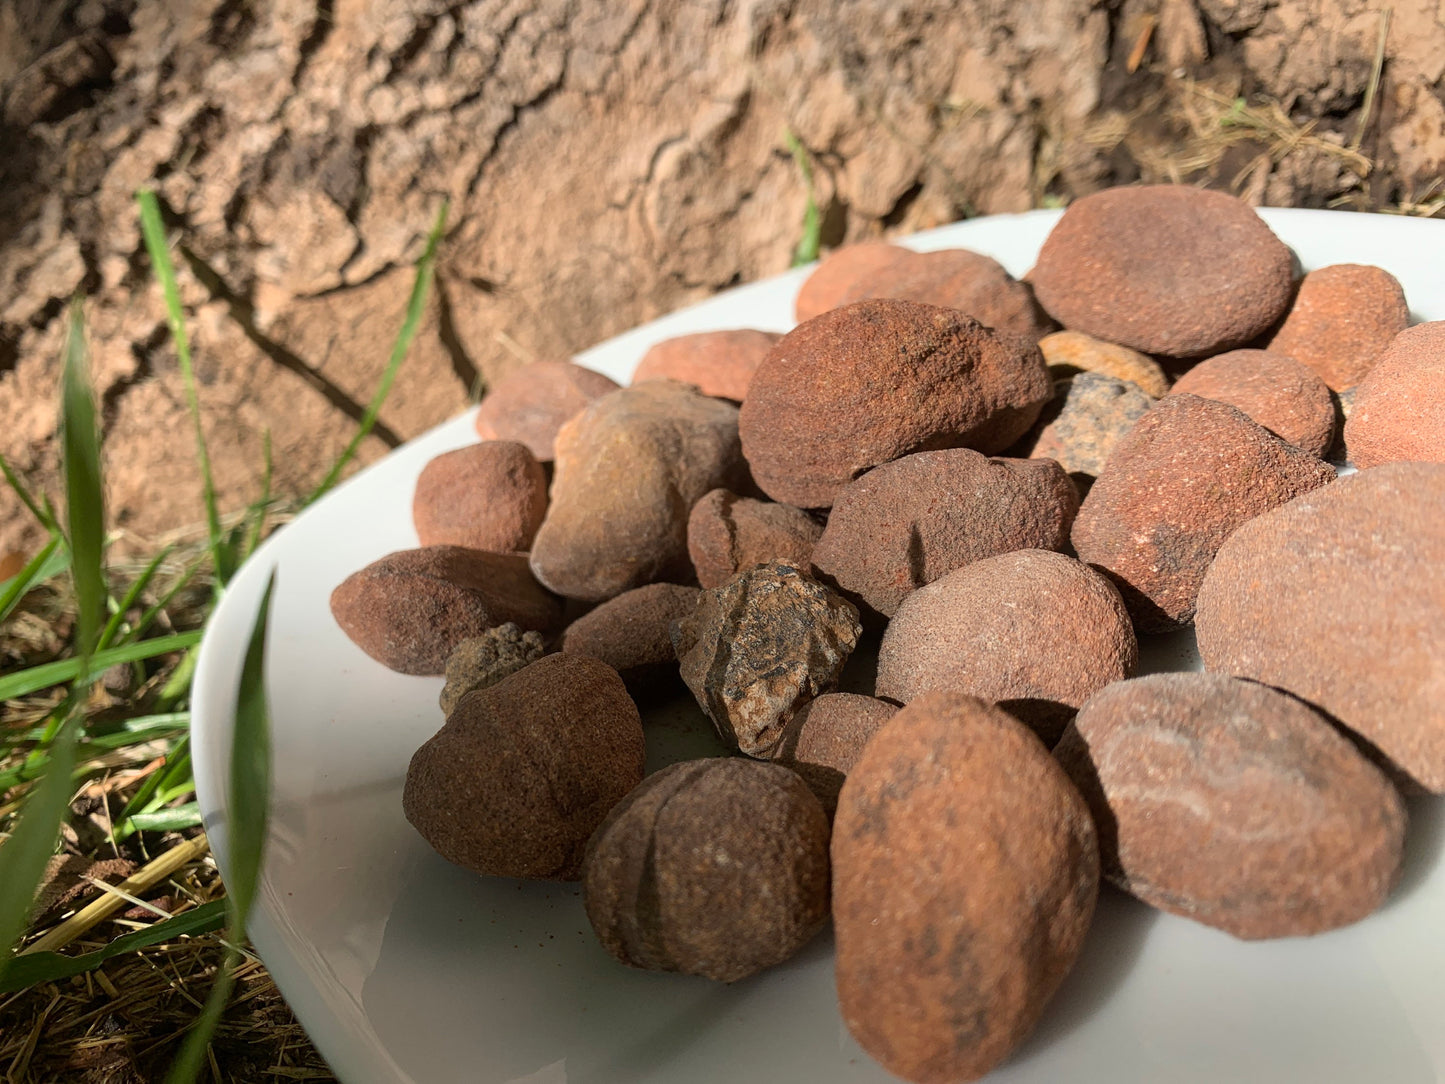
x: 1098, y: 410
x: 484, y: 660
x: 761, y: 646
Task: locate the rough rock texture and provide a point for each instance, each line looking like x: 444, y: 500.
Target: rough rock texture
x: 826, y: 737
x: 1035, y: 631
x: 1189, y: 472
x: 912, y: 521
x: 965, y: 873
x: 303, y: 147
x: 409, y: 610
x: 760, y: 647
x: 956, y: 279
x: 524, y: 771
x: 489, y: 496
x: 482, y: 661
x: 534, y: 401
x: 632, y: 633
x: 1336, y: 597
x: 1275, y: 390
x: 716, y: 868
x: 1070, y: 352
x: 1167, y: 269
x: 1399, y: 407
x: 727, y: 534
x: 876, y: 380
x: 629, y: 469
x: 720, y: 363
x: 1342, y: 319
x: 1235, y: 805
x: 834, y: 281
x: 1097, y: 412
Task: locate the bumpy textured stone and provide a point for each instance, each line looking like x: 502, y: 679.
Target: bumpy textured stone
x: 912, y: 521
x: 834, y: 281
x: 524, y: 771
x: 956, y: 278
x: 719, y: 363
x: 727, y: 534
x: 716, y: 868
x: 1035, y: 631
x: 482, y: 661
x: 1399, y: 407
x: 1235, y: 805
x: 1337, y: 597
x: 409, y: 609
x: 629, y: 469
x: 826, y: 737
x: 1167, y: 269
x: 530, y: 404
x: 965, y: 873
x: 1096, y: 413
x: 489, y: 496
x: 1070, y: 352
x: 760, y: 647
x: 632, y: 633
x: 1275, y: 390
x: 1342, y: 319
x: 872, y: 381
x: 1189, y: 472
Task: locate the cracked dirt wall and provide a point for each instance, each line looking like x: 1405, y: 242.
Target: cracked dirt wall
x: 605, y: 161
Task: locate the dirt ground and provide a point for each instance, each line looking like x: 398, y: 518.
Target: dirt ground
x: 605, y: 162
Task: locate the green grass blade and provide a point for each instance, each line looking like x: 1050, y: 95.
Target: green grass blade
x: 43, y: 513
x: 143, y: 800
x: 37, y: 967
x: 25, y: 854
x: 141, y: 582
x: 162, y: 820
x: 147, y: 618
x: 35, y: 572
x: 250, y: 798
x: 59, y: 562
x: 84, y: 493
x: 187, y: 1066
x: 154, y: 231
x: 811, y: 239
x: 416, y: 306
x: 24, y: 682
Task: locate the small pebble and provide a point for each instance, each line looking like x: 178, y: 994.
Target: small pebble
x: 834, y: 281
x: 718, y: 363
x: 1399, y: 407
x: 632, y: 633
x: 530, y: 404
x: 489, y: 496
x: 1278, y: 392
x: 1342, y: 319
x: 727, y: 534
x: 1070, y: 352
x: 826, y: 737
x: 482, y: 661
x: 1096, y: 413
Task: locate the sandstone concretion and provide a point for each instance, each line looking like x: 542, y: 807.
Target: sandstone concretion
x: 965, y: 873
x: 718, y: 363
x: 1399, y: 407
x: 488, y: 496
x: 1342, y: 319
x: 1273, y: 389
x: 875, y: 380
x: 632, y: 633
x: 826, y: 737
x: 1070, y: 352
x: 531, y: 403
x: 727, y: 534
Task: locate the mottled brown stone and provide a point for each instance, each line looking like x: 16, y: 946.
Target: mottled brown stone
x: 1096, y: 412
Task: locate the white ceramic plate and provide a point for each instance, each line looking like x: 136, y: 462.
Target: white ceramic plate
x: 404, y: 968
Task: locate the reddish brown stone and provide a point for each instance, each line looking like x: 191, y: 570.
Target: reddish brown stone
x: 1167, y: 269
x: 727, y: 534
x: 834, y: 281
x: 1189, y: 472
x: 489, y: 496
x: 632, y: 633
x: 1235, y: 805
x: 719, y: 363
x: 867, y: 383
x: 826, y: 737
x: 1399, y: 407
x: 530, y: 404
x: 1070, y: 352
x: 525, y: 770
x: 1035, y: 631
x: 1337, y: 597
x: 965, y: 873
x: 1342, y: 319
x: 912, y: 521
x: 760, y: 647
x: 409, y: 609
x: 1279, y: 393
x: 1096, y: 412
x: 958, y: 279
x: 629, y: 469
x: 716, y: 868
